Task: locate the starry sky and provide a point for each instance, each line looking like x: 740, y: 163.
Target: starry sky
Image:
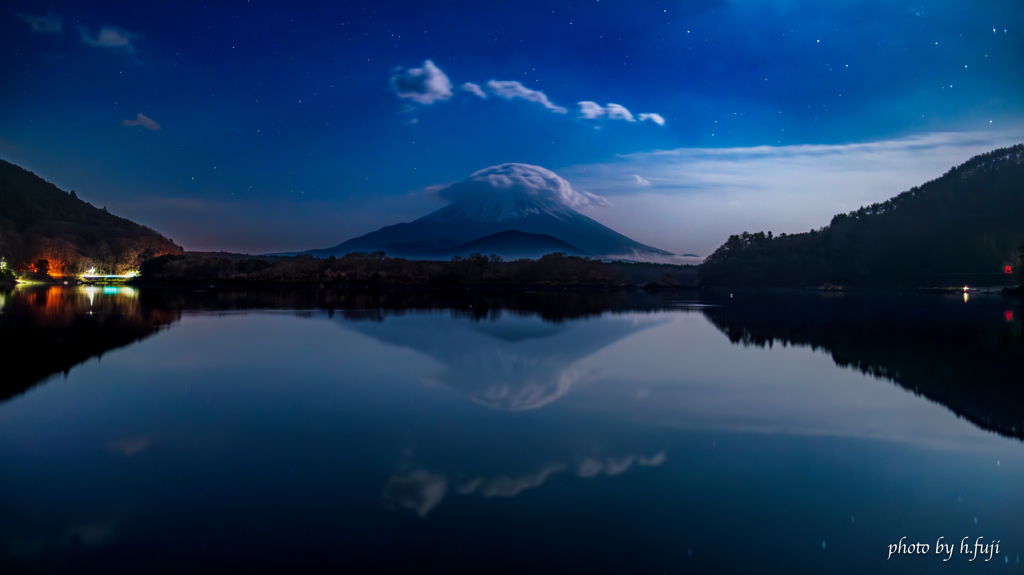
x: 260, y: 126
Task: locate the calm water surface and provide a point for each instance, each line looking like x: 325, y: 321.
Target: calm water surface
x: 152, y: 432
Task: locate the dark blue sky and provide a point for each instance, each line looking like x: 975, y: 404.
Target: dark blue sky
x: 280, y: 126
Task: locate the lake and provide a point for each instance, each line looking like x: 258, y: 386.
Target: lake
x: 171, y: 431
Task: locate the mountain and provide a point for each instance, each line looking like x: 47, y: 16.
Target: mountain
x: 512, y: 244
x: 503, y: 198
x: 40, y: 221
x: 964, y: 227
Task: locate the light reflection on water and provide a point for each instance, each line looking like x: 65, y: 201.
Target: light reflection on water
x: 643, y: 439
x: 58, y: 300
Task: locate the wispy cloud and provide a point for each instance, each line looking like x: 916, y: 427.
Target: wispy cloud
x: 656, y: 118
x: 512, y: 89
x: 48, y: 24
x: 697, y: 197
x: 424, y: 85
x: 592, y: 111
x: 144, y: 121
x: 641, y: 180
x: 617, y: 112
x: 109, y: 37
x: 474, y: 89
x: 429, y: 84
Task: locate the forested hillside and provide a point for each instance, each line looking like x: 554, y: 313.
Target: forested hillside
x: 969, y: 221
x: 39, y: 221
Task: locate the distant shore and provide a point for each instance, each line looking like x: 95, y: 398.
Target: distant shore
x: 376, y: 271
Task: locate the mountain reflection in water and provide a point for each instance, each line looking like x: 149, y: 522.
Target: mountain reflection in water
x: 967, y: 357
x: 558, y: 431
x: 49, y: 330
x: 512, y: 364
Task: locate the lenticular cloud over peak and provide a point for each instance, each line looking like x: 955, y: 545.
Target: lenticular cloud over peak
x: 519, y: 181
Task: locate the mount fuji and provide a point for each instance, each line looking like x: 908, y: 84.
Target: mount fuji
x: 513, y: 210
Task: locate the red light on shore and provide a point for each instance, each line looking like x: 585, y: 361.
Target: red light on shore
x: 1008, y: 270
x: 1008, y: 315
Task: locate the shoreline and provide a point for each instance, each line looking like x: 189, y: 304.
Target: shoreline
x: 367, y: 288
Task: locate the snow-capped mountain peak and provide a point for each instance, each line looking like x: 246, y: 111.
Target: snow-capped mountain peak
x: 502, y: 198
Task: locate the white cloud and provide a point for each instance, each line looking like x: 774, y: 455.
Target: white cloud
x: 508, y: 181
x: 512, y: 89
x: 42, y: 24
x: 474, y: 89
x: 144, y: 121
x: 641, y: 180
x: 592, y: 110
x: 656, y: 118
x: 700, y: 196
x: 429, y: 84
x: 109, y: 37
x: 424, y: 85
x: 617, y: 112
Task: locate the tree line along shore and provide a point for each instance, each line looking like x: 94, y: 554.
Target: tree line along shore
x: 375, y: 269
x: 968, y: 222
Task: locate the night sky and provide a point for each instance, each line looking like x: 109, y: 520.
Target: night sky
x: 272, y: 126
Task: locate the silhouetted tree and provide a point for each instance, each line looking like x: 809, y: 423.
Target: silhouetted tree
x: 480, y: 263
x: 376, y: 257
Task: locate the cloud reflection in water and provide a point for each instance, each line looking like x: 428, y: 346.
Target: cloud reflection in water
x: 422, y: 490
